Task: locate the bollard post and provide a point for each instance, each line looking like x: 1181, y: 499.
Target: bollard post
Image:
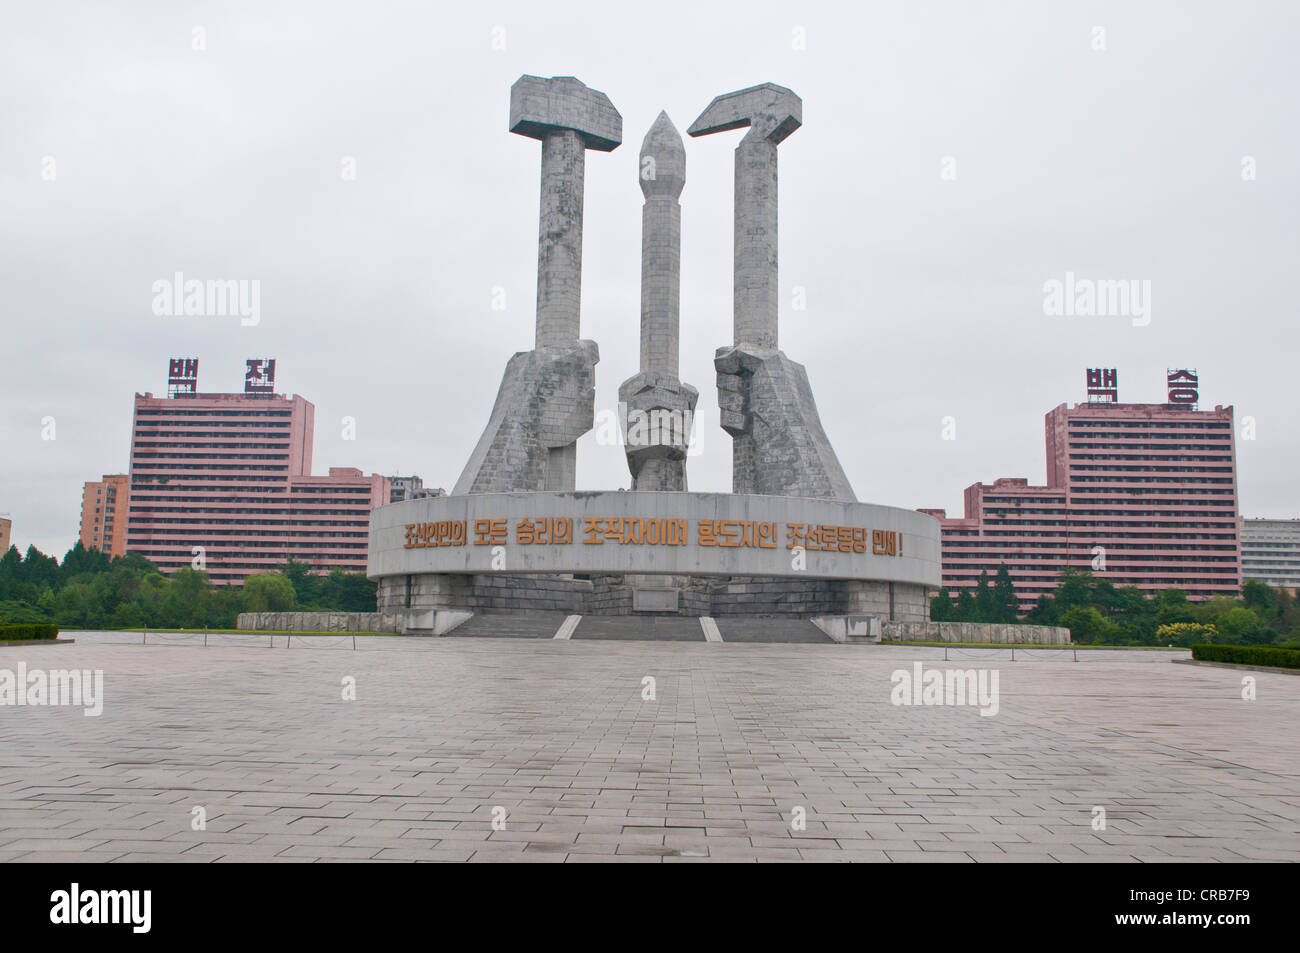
x: 144, y: 635
x: 205, y: 636
x: 354, y: 641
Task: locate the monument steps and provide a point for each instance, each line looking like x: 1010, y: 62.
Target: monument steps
x: 770, y: 629
x: 641, y: 628
x: 510, y: 625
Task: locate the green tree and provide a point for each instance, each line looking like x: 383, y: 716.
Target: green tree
x: 39, y: 569
x: 186, y: 602
x: 306, y: 584
x: 128, y: 615
x: 1006, y: 605
x: 1286, y: 618
x: 985, y: 610
x: 941, y: 607
x: 1073, y: 589
x: 1044, y: 612
x: 79, y: 561
x: 12, y: 611
x: 349, y: 592
x: 1172, y: 605
x: 1239, y: 624
x: 10, y: 565
x: 72, y: 606
x: 268, y: 592
x: 1260, y: 597
x: 1087, y: 625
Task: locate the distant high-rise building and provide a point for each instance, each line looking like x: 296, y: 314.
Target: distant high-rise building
x: 410, y: 488
x: 1138, y: 494
x: 6, y: 528
x: 103, y: 514
x: 1270, y: 551
x: 403, y: 487
x: 223, y: 482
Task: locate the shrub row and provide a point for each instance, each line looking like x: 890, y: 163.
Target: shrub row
x: 28, y: 632
x: 1269, y: 655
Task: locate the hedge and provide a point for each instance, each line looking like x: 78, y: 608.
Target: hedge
x: 32, y: 632
x: 1269, y: 655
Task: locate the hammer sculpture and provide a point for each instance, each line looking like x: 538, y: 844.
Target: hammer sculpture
x: 778, y: 445
x: 547, y: 396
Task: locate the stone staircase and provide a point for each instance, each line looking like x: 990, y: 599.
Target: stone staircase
x: 510, y: 625
x: 770, y: 630
x: 640, y: 628
x: 544, y: 625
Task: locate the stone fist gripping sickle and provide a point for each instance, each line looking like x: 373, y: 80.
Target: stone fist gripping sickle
x: 547, y: 398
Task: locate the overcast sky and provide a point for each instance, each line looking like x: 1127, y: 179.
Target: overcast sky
x: 128, y: 155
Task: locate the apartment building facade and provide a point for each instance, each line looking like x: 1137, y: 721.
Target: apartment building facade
x: 1270, y: 552
x: 223, y: 482
x: 1139, y: 494
x: 103, y: 514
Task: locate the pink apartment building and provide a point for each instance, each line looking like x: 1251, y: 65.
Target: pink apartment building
x: 228, y: 477
x: 1138, y: 494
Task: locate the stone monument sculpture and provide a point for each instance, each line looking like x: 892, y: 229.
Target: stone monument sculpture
x: 658, y: 409
x: 547, y: 396
x: 515, y: 537
x: 778, y: 445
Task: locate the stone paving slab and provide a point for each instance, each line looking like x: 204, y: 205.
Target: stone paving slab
x: 746, y: 752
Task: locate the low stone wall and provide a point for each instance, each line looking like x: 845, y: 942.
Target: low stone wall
x: 998, y: 632
x: 610, y: 595
x: 319, y: 621
x: 482, y: 591
x: 772, y: 596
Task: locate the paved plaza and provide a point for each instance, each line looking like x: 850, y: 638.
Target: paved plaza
x: 747, y: 752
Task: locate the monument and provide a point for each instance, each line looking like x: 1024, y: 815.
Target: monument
x: 658, y: 409
x: 547, y: 397
x: 778, y: 445
x: 514, y: 536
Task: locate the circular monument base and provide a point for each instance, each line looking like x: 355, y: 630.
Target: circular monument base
x: 612, y: 595
x: 661, y: 553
